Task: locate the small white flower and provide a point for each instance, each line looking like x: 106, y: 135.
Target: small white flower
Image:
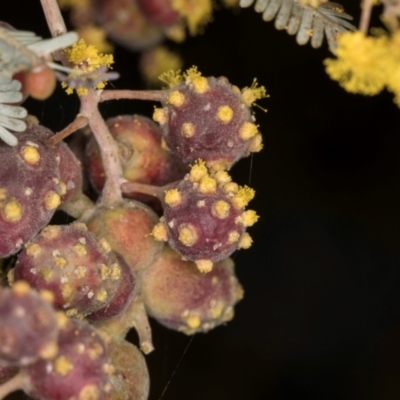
x: 11, y: 116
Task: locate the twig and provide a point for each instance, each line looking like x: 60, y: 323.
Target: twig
x: 135, y: 187
x: 54, y: 19
x: 15, y: 383
x: 366, y: 10
x: 154, y: 95
x: 78, y: 123
x: 111, y: 194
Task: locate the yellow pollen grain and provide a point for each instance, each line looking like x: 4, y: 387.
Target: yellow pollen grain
x: 52, y: 200
x: 62, y: 366
x: 160, y: 116
x: 220, y: 209
x: 66, y: 291
x: 89, y: 392
x: 200, y: 84
x: 173, y: 197
x: 198, y: 171
x: 3, y: 194
x: 216, y: 309
x: 12, y: 211
x: 242, y: 197
x: 233, y: 237
x: 62, y: 188
x: 207, y: 185
x: 95, y: 350
x: 21, y: 288
x: 176, y: 98
x: 187, y: 130
x: 238, y: 293
x: 33, y: 250
x: 108, y: 369
x: 104, y: 271
x: 101, y: 295
x: 224, y: 114
x: 228, y: 314
x: 256, y: 144
x: 46, y: 274
x: 204, y: 266
x: 222, y: 177
x: 187, y: 235
x: 73, y: 312
x: 115, y: 272
x: 80, y: 249
x: 230, y: 188
x: 47, y: 295
x: 50, y: 232
x: 60, y: 262
x: 193, y: 321
x: 30, y: 155
x: 245, y: 241
x: 159, y: 232
x: 49, y: 350
x: 80, y: 271
x: 249, y: 218
x: 247, y: 130
x: 104, y: 245
x: 62, y: 319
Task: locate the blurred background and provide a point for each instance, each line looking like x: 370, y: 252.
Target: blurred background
x: 320, y: 318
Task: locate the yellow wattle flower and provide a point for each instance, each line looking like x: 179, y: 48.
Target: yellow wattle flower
x: 86, y: 59
x: 360, y: 63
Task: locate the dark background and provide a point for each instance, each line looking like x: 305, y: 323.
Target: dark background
x: 320, y: 318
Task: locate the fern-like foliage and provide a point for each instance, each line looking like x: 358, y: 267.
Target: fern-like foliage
x: 304, y: 21
x: 23, y: 50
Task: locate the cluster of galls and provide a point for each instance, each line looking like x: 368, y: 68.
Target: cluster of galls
x: 140, y: 24
x: 51, y: 356
x: 208, y: 119
x: 204, y: 217
x: 110, y: 269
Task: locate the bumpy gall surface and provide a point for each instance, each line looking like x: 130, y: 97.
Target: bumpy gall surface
x: 182, y: 298
x: 208, y: 118
x: 80, y: 370
x: 28, y: 326
x: 141, y: 151
x: 204, y: 217
x: 130, y: 378
x: 82, y: 271
x: 159, y: 12
x: 70, y: 171
x: 122, y: 297
x: 127, y: 229
x: 133, y: 30
x: 30, y: 188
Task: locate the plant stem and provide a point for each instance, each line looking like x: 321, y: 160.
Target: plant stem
x: 366, y: 9
x: 15, y: 383
x: 78, y: 123
x: 154, y: 95
x: 54, y: 19
x: 111, y: 194
x: 135, y: 187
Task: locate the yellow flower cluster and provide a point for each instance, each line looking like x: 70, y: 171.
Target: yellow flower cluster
x: 367, y: 64
x: 196, y: 13
x: 86, y: 59
x: 156, y: 61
